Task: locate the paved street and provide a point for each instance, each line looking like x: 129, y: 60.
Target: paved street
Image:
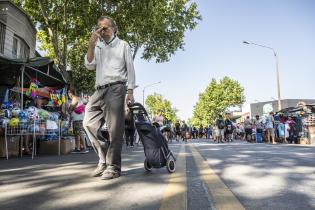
x: 234, y: 175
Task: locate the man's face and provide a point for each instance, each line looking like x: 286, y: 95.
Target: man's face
x: 107, y: 31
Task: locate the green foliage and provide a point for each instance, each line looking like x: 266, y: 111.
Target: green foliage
x: 157, y: 27
x: 156, y: 105
x: 218, y: 96
x: 83, y: 79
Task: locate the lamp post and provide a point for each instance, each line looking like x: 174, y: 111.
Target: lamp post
x: 147, y: 87
x: 277, y: 69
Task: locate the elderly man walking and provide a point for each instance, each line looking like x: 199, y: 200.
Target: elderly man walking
x: 112, y: 59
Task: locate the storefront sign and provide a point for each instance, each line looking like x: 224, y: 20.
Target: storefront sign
x: 267, y: 108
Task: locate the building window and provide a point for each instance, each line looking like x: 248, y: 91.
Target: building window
x: 15, y: 46
x: 24, y: 49
x: 2, y: 37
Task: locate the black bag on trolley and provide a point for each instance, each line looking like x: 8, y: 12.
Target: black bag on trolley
x: 155, y: 146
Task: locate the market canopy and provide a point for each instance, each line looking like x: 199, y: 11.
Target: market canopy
x: 40, y: 68
x: 290, y: 110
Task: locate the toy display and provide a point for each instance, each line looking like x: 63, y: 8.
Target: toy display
x: 14, y: 122
x: 43, y: 114
x: 57, y: 97
x: 15, y: 112
x: 7, y: 105
x: 38, y: 81
x: 31, y: 92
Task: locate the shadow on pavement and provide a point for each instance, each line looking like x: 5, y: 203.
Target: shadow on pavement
x: 52, y: 182
x: 265, y: 176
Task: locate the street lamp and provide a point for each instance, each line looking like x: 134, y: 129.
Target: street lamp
x: 277, y: 69
x: 147, y: 87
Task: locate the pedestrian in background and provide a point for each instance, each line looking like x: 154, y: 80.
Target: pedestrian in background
x: 228, y: 129
x: 292, y: 130
x: 270, y: 131
x: 177, y: 131
x: 184, y: 130
x: 220, y: 125
x: 248, y: 125
x: 209, y: 133
x: 129, y: 128
x: 259, y: 128
x: 76, y: 111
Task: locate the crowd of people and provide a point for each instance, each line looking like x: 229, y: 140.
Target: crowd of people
x: 273, y: 128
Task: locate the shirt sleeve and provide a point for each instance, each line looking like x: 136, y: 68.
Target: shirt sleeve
x: 90, y: 65
x: 130, y: 67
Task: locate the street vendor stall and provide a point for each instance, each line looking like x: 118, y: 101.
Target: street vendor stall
x: 35, y: 79
x: 304, y: 118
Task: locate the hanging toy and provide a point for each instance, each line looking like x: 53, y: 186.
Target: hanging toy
x: 51, y: 101
x: 57, y: 98
x: 59, y: 102
x: 56, y: 102
x: 63, y: 99
x: 31, y: 92
x: 7, y: 105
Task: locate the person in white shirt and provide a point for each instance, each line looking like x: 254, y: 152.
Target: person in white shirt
x: 248, y: 124
x: 112, y: 59
x: 270, y: 128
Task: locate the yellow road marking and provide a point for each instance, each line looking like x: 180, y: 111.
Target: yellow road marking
x: 223, y: 198
x: 175, y: 196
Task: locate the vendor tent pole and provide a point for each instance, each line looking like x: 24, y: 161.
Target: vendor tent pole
x: 44, y: 74
x: 59, y: 140
x: 22, y: 104
x: 28, y: 76
x: 34, y: 141
x: 6, y: 141
x: 22, y: 83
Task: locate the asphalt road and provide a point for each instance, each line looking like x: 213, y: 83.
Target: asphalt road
x: 208, y: 176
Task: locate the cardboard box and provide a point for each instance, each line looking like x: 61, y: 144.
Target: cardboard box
x: 311, y: 129
x: 51, y: 147
x: 13, y: 146
x: 304, y: 141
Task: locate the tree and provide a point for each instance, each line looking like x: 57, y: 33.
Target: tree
x: 216, y: 98
x: 157, y: 104
x: 157, y: 27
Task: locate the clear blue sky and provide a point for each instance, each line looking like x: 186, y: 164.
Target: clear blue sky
x: 214, y: 50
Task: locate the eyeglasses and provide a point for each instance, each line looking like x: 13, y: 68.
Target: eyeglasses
x: 104, y: 29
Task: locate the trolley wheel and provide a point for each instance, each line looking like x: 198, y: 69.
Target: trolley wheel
x: 147, y: 165
x: 171, y: 165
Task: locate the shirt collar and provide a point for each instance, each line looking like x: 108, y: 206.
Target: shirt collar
x: 101, y: 43
x: 112, y: 42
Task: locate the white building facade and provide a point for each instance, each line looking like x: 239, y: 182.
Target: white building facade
x: 17, y: 32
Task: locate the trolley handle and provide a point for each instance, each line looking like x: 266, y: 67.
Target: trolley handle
x: 138, y: 107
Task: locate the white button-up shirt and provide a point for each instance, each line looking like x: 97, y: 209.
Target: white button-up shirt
x: 113, y: 62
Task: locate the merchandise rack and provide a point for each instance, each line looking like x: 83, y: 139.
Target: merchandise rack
x: 34, y: 129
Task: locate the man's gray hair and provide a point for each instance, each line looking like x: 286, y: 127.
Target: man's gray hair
x: 111, y: 20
